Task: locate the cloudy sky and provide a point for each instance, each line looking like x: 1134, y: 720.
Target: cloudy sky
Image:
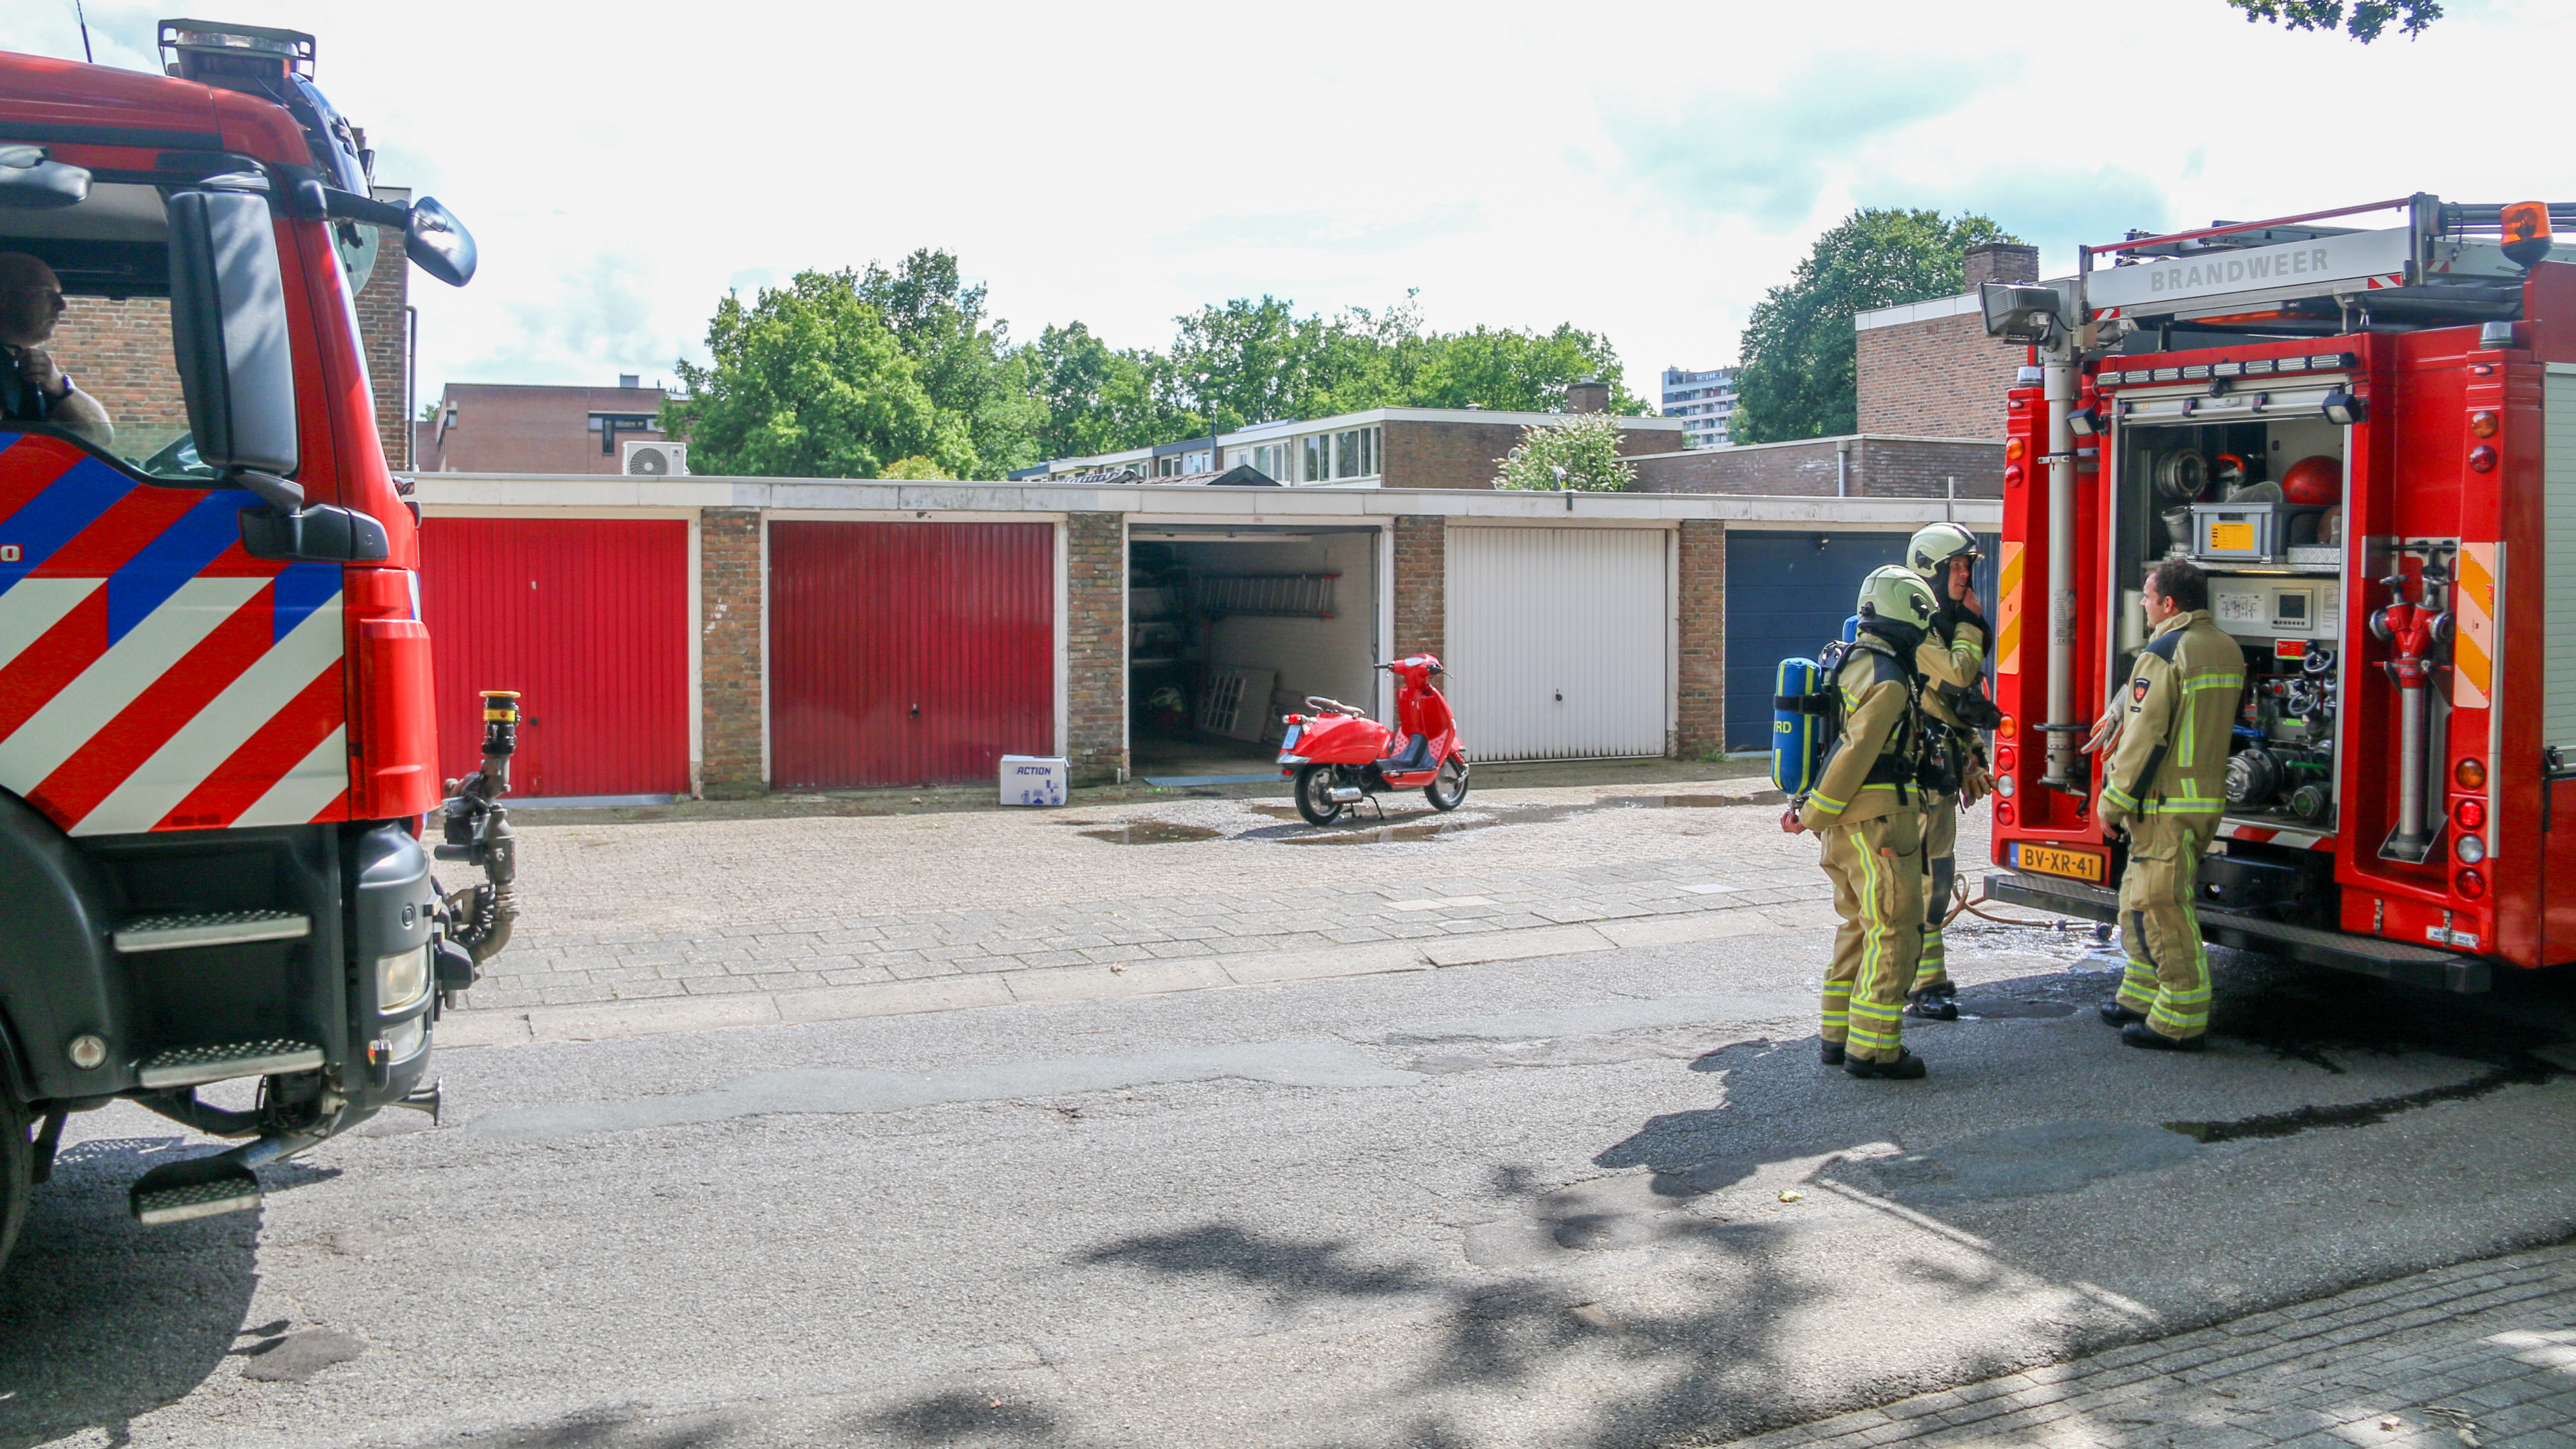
x: 1646, y: 171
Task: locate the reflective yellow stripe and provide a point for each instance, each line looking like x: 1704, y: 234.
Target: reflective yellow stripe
x: 2119, y: 797
x: 1829, y: 804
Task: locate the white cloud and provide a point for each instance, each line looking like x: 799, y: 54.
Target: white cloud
x: 1641, y: 170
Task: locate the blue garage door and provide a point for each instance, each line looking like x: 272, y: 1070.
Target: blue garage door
x: 1786, y: 594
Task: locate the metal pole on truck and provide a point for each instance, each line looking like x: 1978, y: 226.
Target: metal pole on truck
x: 2059, y: 380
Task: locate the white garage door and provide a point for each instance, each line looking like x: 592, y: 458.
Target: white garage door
x: 1559, y: 641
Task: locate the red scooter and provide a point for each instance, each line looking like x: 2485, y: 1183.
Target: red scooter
x: 1339, y: 756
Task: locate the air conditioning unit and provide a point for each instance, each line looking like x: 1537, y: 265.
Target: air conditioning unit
x: 658, y: 460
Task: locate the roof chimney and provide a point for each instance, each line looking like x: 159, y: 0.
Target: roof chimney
x: 2002, y: 262
x: 1587, y: 395
x: 628, y: 379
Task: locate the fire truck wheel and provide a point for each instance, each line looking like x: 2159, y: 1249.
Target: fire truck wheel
x: 17, y: 1167
x: 1315, y: 795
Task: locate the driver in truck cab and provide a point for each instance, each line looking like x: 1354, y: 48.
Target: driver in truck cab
x: 32, y: 388
x: 2165, y: 781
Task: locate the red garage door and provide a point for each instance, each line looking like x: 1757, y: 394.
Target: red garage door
x: 908, y: 653
x: 589, y: 619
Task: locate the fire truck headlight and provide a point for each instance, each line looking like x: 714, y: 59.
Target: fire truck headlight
x: 2343, y: 409
x: 402, y: 979
x: 2086, y: 422
x: 2004, y: 786
x: 2472, y: 849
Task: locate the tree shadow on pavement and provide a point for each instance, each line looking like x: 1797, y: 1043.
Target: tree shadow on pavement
x: 102, y: 1319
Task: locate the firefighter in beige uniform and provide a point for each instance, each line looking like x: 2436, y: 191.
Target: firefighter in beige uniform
x: 1952, y: 661
x: 1867, y: 806
x: 2165, y: 780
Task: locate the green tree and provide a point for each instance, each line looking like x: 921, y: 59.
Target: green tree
x: 808, y: 381
x: 1796, y: 378
x: 1519, y: 371
x: 965, y: 362
x: 917, y: 470
x: 2364, y: 21
x: 1580, y: 455
x: 1094, y: 398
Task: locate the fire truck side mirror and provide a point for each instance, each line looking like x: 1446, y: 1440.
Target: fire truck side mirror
x: 29, y: 182
x: 229, y: 331
x: 438, y: 243
x: 2019, y: 314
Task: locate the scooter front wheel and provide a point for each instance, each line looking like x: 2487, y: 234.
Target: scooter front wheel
x: 1315, y: 795
x: 1448, y: 788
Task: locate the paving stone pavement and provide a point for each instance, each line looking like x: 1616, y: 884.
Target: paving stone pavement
x: 636, y: 912
x: 2478, y: 1354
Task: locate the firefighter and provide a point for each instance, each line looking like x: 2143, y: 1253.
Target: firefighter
x: 32, y: 388
x: 2164, y: 781
x: 1952, y: 661
x: 1867, y: 806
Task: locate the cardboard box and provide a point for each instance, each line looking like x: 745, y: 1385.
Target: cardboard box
x: 1032, y: 780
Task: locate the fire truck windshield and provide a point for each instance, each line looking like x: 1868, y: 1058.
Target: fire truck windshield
x: 84, y: 300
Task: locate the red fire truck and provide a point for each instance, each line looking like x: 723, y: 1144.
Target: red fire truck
x: 2367, y: 436
x: 216, y: 748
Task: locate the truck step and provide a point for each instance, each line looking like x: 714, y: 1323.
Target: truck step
x: 2397, y: 961
x: 196, y: 1066
x: 210, y: 928
x: 202, y: 1187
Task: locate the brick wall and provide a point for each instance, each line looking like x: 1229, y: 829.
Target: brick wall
x: 1700, y: 709
x: 119, y: 353
x: 729, y: 595
x: 1421, y: 584
x: 1468, y: 455
x: 1095, y: 644
x: 384, y: 330
x: 1942, y: 377
x: 1871, y: 467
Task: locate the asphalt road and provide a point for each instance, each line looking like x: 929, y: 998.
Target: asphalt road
x: 1607, y: 1199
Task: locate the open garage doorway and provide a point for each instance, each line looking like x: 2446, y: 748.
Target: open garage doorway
x: 1230, y: 628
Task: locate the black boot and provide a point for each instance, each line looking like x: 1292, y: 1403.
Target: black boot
x: 1933, y: 1003
x: 1906, y: 1068
x: 2116, y: 1015
x: 2139, y: 1034
x: 1832, y: 1055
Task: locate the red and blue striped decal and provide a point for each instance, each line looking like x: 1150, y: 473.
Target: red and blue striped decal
x: 153, y: 676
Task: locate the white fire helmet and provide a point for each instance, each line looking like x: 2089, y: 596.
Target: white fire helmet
x: 1934, y: 545
x: 1897, y: 594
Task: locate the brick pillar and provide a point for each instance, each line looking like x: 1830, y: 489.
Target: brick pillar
x: 1701, y: 716
x: 384, y: 330
x: 1095, y: 647
x: 729, y: 594
x: 2000, y: 262
x: 1421, y: 584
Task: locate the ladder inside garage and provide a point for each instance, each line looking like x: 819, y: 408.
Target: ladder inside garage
x: 1283, y: 596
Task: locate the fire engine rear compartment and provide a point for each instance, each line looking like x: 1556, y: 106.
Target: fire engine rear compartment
x: 2211, y: 492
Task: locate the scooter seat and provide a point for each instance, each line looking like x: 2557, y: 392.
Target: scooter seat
x: 1415, y: 757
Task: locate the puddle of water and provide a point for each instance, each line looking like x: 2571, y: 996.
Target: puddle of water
x: 1152, y: 832
x: 1489, y: 816
x: 1988, y: 1008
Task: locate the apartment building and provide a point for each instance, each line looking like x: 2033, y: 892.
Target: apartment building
x: 1703, y: 401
